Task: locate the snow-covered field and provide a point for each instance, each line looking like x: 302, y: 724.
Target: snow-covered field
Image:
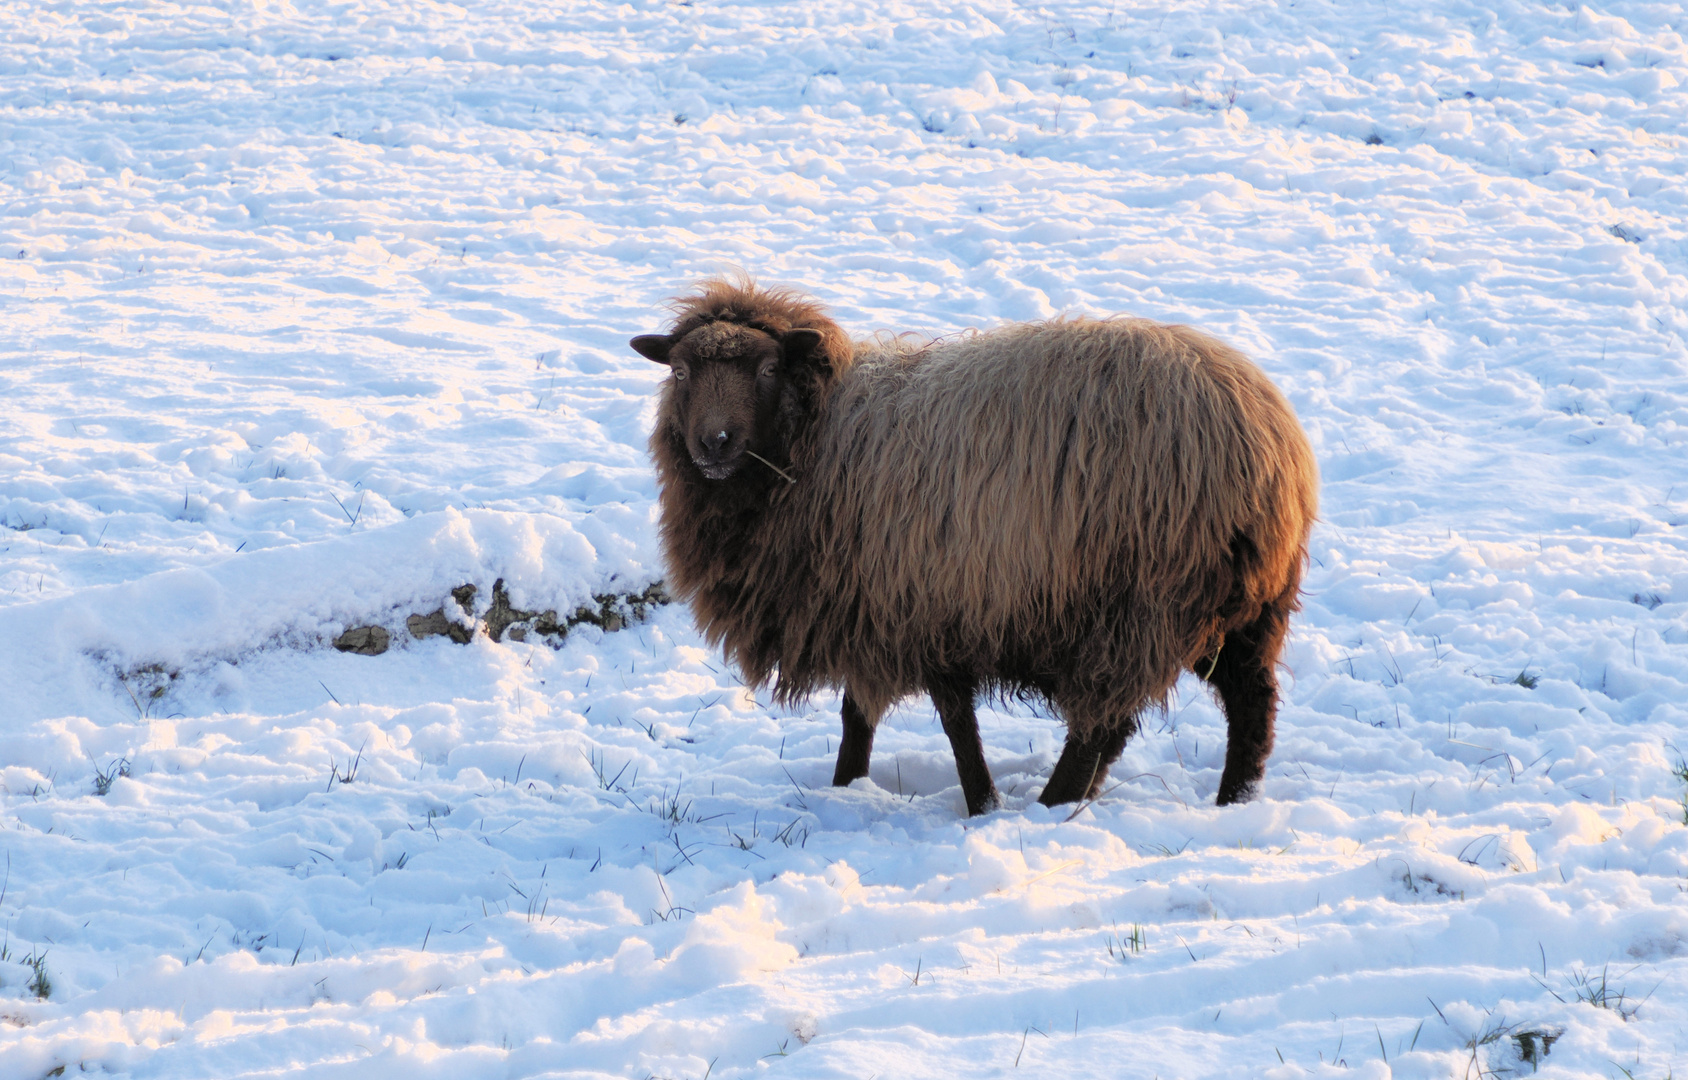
x: 310, y: 312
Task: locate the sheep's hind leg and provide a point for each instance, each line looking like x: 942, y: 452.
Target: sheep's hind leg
x: 1084, y: 764
x: 1244, y: 675
x: 953, y: 696
x: 856, y: 747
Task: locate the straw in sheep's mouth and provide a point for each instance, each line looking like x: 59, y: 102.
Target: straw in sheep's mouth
x: 787, y: 477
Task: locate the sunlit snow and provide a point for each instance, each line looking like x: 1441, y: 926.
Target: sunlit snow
x: 310, y: 312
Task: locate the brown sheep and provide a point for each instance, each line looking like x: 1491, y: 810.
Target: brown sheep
x: 1079, y: 509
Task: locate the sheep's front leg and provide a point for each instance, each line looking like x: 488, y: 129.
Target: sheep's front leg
x: 856, y: 747
x: 953, y: 696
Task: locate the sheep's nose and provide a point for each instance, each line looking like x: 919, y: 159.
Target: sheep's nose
x: 714, y: 445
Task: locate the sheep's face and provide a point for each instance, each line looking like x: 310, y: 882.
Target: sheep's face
x: 725, y: 389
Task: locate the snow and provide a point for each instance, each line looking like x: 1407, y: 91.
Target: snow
x: 311, y: 312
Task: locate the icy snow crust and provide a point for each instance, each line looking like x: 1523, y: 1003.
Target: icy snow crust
x: 314, y: 311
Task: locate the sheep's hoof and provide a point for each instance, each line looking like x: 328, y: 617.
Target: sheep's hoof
x: 1241, y: 792
x: 991, y: 801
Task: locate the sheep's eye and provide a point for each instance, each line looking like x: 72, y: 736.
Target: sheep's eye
x: 679, y: 374
x: 768, y: 372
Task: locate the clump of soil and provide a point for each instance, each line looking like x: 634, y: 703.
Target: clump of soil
x: 611, y: 612
x: 437, y: 622
x: 364, y: 640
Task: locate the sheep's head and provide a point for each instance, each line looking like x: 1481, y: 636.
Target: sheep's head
x: 732, y: 390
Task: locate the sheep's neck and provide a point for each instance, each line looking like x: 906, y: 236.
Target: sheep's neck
x: 733, y: 553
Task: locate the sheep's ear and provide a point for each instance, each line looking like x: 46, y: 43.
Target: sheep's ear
x: 800, y: 346
x: 653, y: 346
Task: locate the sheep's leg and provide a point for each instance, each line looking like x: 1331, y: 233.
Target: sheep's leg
x: 1084, y: 764
x: 953, y: 696
x: 1244, y: 675
x: 856, y: 747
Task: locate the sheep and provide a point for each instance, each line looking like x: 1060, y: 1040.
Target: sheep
x: 1076, y: 510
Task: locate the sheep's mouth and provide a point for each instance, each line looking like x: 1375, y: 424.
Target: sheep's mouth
x: 717, y: 470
